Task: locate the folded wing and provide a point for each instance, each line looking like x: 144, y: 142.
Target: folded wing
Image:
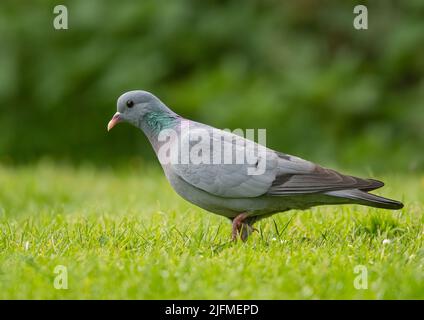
x: 279, y: 174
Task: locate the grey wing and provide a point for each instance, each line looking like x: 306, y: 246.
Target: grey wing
x: 298, y: 176
x: 228, y: 179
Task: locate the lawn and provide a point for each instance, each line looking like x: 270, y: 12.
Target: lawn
x: 122, y: 233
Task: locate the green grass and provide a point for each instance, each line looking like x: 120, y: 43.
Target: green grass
x: 123, y: 233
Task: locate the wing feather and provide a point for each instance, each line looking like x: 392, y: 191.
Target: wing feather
x: 299, y: 176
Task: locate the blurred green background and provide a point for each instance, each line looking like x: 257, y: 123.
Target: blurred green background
x: 323, y: 90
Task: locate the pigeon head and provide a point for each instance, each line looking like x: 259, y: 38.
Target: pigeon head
x: 143, y: 110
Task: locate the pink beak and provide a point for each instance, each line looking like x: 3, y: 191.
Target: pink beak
x: 115, y: 119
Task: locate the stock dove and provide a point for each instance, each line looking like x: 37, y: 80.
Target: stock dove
x: 203, y: 166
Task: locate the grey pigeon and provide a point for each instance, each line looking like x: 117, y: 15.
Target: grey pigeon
x: 228, y: 188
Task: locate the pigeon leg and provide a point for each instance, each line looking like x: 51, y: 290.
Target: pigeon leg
x: 240, y: 227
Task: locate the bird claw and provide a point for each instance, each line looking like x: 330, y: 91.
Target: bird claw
x: 241, y: 228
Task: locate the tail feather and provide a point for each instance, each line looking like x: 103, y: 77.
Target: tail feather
x: 368, y: 199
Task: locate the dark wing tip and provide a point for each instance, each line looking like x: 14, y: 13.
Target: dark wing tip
x: 399, y: 205
x: 374, y: 184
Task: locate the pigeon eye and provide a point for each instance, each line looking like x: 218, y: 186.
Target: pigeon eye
x: 130, y: 103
